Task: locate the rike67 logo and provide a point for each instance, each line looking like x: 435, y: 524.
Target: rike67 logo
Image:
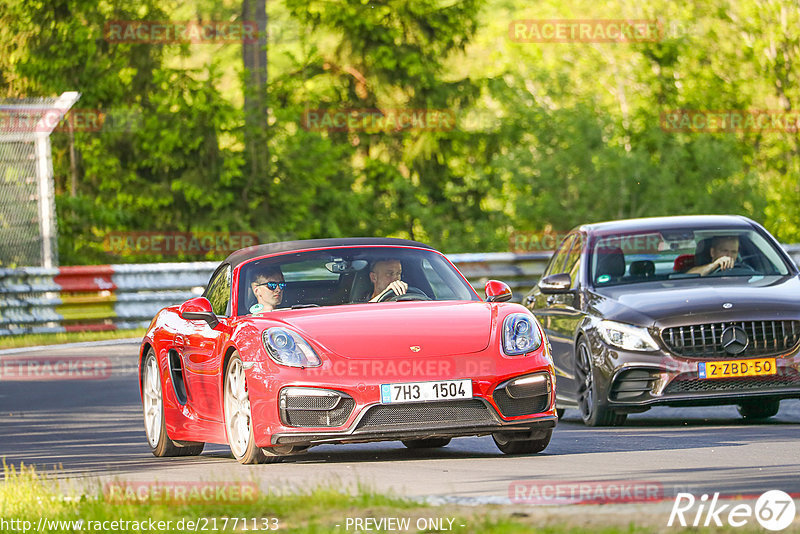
x: 774, y: 510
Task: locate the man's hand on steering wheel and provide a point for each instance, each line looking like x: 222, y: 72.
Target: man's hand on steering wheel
x: 722, y: 263
x: 398, y: 286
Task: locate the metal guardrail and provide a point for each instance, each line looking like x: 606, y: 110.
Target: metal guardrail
x: 118, y: 297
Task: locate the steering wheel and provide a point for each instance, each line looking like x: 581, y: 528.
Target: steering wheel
x: 412, y: 293
x: 739, y: 269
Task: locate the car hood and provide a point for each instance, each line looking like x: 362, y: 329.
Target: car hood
x: 391, y: 329
x: 695, y: 301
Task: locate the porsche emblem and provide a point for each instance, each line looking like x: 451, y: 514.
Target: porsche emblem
x: 415, y: 348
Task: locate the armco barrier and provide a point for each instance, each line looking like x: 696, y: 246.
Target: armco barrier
x: 117, y: 297
x: 101, y: 297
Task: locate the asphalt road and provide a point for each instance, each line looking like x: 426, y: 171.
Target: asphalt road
x: 92, y: 430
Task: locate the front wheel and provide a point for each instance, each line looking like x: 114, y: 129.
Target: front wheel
x: 154, y: 423
x: 594, y: 410
x: 521, y: 446
x: 238, y: 420
x: 755, y: 409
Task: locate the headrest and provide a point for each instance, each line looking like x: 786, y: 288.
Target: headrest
x: 610, y: 262
x: 643, y: 268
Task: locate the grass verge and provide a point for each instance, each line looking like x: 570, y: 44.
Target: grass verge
x: 32, y: 340
x: 32, y: 502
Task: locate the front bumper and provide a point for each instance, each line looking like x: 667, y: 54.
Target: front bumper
x: 639, y: 380
x: 381, y: 422
x: 353, y: 412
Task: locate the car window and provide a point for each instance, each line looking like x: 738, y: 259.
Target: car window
x: 573, y: 261
x: 675, y: 254
x: 441, y: 288
x: 218, y: 292
x: 341, y: 276
x: 559, y: 259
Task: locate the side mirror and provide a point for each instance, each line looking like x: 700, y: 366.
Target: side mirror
x: 497, y: 291
x: 198, y: 309
x: 555, y: 283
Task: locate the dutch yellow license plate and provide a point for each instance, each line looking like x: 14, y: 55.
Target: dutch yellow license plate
x: 734, y: 368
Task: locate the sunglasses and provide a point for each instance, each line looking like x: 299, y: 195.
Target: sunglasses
x: 273, y: 285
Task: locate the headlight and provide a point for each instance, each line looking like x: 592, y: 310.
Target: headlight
x: 625, y: 336
x: 289, y: 348
x: 520, y: 334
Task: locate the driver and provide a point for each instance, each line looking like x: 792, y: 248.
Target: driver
x: 268, y: 289
x: 385, y: 276
x: 724, y: 251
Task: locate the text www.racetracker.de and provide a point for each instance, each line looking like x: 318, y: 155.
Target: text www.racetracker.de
x: 202, y: 524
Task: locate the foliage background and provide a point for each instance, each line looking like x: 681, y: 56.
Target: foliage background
x: 549, y: 135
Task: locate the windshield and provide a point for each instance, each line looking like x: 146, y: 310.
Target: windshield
x: 644, y: 257
x: 348, y: 275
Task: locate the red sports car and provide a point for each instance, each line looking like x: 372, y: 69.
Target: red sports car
x: 341, y: 341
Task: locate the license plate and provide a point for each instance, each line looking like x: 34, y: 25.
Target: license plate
x: 426, y: 391
x: 734, y: 368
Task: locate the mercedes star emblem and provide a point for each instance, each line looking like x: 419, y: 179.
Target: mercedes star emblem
x: 734, y: 340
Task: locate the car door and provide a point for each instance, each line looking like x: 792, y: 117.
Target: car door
x: 560, y: 314
x: 537, y: 301
x: 203, y: 350
x: 565, y: 313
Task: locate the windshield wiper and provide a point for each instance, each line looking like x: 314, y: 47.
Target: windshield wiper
x: 300, y: 306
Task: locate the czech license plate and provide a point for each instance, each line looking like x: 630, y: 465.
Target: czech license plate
x: 426, y: 391
x: 734, y: 368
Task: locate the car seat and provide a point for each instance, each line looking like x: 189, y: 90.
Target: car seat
x: 702, y: 251
x: 643, y: 268
x: 611, y: 263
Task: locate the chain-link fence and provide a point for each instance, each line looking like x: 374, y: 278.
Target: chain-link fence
x: 28, y: 233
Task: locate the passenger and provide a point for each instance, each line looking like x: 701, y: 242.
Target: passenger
x: 268, y: 288
x: 724, y: 251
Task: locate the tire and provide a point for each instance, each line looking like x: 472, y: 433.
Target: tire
x: 522, y: 446
x: 153, y: 407
x: 429, y: 443
x: 238, y: 419
x: 755, y: 409
x: 594, y: 410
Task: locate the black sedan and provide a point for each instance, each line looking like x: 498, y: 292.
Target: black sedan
x: 677, y: 311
